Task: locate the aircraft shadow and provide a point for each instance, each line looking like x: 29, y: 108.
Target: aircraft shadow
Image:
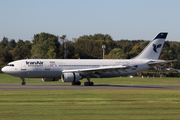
x: 133, y: 86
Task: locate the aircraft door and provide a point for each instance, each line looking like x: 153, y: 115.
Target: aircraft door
x: 47, y: 65
x: 23, y: 65
x: 23, y: 69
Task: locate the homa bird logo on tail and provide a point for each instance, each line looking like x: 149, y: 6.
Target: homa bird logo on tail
x: 155, y: 47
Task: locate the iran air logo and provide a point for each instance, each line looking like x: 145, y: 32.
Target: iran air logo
x: 155, y: 47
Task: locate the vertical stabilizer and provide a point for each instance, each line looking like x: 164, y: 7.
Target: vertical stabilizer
x: 153, y: 49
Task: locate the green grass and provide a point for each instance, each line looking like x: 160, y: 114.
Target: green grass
x: 89, y: 104
x: 7, y: 79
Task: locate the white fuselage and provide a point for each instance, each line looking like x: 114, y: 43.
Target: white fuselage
x: 52, y: 68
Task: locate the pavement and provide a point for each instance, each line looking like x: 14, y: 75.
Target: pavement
x: 68, y: 86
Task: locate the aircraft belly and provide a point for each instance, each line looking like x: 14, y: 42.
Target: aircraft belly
x: 54, y: 74
x: 41, y: 74
x: 15, y: 73
x: 113, y: 75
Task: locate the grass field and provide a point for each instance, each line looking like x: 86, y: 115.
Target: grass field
x: 91, y: 104
x: 7, y: 79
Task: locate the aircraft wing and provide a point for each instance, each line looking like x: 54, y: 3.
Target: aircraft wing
x: 155, y: 63
x: 90, y: 71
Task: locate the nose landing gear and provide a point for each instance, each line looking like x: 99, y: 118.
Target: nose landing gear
x: 23, y: 81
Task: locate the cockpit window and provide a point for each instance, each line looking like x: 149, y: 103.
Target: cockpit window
x: 12, y: 65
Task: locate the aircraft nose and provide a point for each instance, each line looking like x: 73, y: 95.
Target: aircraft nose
x: 4, y: 70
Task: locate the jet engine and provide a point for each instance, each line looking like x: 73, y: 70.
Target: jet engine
x: 71, y: 77
x: 49, y: 79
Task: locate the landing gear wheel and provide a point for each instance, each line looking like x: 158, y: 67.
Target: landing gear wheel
x: 91, y: 84
x: 78, y: 83
x: 23, y: 83
x: 86, y: 84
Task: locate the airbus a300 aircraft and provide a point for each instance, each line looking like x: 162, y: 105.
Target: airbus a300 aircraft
x: 73, y: 70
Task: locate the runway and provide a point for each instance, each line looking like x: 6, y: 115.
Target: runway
x: 67, y: 86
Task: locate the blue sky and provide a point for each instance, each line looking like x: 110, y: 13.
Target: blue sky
x: 122, y: 19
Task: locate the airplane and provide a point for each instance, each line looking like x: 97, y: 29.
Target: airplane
x: 74, y: 70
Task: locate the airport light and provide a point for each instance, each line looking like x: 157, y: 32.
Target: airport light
x: 103, y: 47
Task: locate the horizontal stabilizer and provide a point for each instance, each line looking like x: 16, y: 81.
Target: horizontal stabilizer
x: 155, y: 63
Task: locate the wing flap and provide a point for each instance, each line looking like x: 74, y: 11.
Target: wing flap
x: 98, y: 70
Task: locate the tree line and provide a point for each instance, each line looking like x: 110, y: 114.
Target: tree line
x: 49, y: 46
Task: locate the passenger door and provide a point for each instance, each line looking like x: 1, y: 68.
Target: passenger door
x: 47, y: 65
x: 23, y: 65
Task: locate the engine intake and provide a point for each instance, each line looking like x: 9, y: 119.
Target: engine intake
x: 71, y: 77
x: 49, y: 79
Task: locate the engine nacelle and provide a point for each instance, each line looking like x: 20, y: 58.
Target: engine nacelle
x: 49, y: 79
x: 71, y: 77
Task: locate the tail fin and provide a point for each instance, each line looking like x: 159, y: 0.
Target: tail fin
x: 153, y: 49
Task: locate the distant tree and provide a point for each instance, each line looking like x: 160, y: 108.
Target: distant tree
x: 5, y: 42
x: 116, y: 53
x: 96, y: 37
x: 125, y: 45
x: 168, y: 52
x: 22, y: 50
x: 90, y: 46
x: 89, y: 49
x: 143, y: 44
x: 63, y: 37
x: 51, y: 53
x: 45, y: 45
x: 37, y: 50
x: 135, y: 51
x: 5, y: 57
x: 38, y: 56
x: 12, y: 44
x: 71, y: 50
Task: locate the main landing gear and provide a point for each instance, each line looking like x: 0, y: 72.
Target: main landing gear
x: 23, y: 81
x: 89, y: 83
